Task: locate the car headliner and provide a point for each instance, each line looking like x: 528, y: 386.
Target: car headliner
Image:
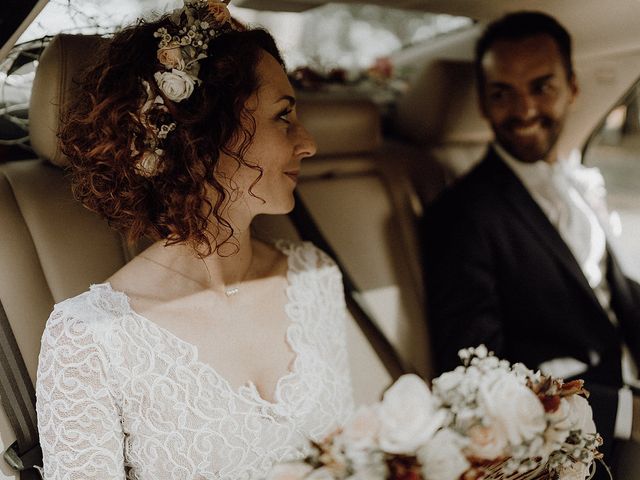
x: 595, y: 25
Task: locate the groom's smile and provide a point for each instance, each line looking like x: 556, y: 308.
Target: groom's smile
x: 526, y: 95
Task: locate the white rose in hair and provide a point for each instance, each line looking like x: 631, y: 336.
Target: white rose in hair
x: 486, y: 442
x: 442, y: 458
x: 512, y: 408
x: 289, y: 471
x: 409, y: 415
x: 176, y: 84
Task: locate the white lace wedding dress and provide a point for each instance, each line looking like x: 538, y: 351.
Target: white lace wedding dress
x: 120, y: 397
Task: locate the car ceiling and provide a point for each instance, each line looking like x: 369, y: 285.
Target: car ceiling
x: 595, y: 25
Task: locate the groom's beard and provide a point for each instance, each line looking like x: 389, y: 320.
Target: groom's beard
x: 529, y: 141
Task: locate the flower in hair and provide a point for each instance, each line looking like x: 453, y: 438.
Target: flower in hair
x: 219, y: 11
x: 176, y: 84
x: 149, y: 163
x: 152, y: 115
x: 171, y: 57
x: 183, y: 42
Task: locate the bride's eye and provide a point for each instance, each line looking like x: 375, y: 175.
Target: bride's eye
x: 284, y: 115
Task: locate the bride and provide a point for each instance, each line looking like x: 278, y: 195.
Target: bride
x: 211, y: 354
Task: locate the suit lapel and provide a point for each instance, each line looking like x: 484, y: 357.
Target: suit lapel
x: 519, y: 200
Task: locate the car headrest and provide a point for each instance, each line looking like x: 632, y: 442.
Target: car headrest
x: 430, y: 111
x: 340, y: 127
x: 60, y: 64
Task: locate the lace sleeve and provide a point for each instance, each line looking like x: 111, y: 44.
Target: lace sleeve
x: 78, y: 417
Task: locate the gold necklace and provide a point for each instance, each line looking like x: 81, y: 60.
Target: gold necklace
x: 229, y: 292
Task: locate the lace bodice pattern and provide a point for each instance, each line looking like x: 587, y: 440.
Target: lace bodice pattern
x: 120, y: 397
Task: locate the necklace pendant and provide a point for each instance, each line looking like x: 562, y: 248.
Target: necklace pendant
x: 231, y: 291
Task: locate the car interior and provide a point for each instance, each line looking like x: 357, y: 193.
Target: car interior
x: 365, y: 189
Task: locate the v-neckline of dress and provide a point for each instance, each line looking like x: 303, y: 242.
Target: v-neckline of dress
x: 247, y: 391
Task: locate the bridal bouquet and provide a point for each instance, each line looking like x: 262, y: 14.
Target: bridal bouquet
x: 485, y: 420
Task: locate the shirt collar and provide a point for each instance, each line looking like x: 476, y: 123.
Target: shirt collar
x: 533, y: 175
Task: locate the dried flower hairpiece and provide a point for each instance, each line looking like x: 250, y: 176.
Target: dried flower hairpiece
x: 183, y: 43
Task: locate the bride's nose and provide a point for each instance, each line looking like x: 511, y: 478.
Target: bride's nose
x: 305, y: 144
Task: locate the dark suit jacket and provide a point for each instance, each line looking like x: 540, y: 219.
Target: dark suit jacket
x: 497, y: 272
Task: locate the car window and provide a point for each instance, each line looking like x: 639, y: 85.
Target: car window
x: 16, y: 77
x: 90, y: 16
x: 348, y: 38
x: 615, y: 150
x: 18, y: 69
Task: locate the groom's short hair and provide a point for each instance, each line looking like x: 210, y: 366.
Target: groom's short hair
x: 518, y: 26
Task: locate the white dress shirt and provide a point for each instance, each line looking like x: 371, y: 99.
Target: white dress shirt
x: 564, y: 191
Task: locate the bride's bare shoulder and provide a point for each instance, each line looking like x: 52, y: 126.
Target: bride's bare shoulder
x: 139, y: 278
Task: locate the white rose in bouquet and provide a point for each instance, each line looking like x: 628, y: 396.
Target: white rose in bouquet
x: 512, y: 408
x: 362, y: 429
x: 442, y: 458
x: 359, y: 436
x: 409, y: 415
x: 580, y: 414
x: 560, y: 424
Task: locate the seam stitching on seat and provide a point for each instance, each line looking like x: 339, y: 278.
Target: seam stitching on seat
x: 27, y: 226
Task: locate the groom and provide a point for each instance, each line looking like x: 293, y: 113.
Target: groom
x: 516, y: 253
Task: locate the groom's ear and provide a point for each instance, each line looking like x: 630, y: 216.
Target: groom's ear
x: 573, y: 85
x: 481, y: 100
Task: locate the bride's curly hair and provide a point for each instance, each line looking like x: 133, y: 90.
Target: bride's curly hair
x: 99, y: 128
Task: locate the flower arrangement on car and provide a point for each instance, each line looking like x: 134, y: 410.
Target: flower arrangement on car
x: 485, y: 420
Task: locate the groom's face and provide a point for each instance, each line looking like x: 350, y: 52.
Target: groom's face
x: 526, y: 95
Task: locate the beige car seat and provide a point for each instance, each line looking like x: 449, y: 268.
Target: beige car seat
x: 52, y: 248
x: 359, y: 193
x: 429, y: 114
